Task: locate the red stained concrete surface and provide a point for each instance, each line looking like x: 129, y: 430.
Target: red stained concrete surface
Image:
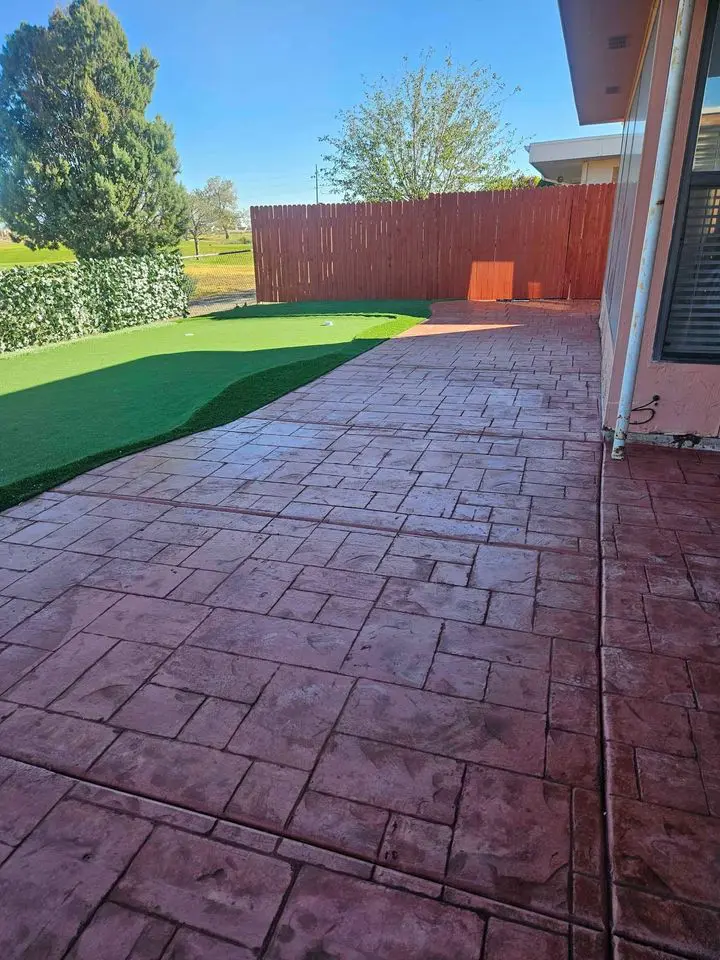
x: 399, y: 667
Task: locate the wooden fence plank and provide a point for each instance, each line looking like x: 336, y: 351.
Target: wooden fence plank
x: 535, y: 243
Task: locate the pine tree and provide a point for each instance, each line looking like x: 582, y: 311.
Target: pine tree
x: 80, y: 164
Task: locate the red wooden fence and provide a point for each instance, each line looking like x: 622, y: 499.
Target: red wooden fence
x: 537, y: 243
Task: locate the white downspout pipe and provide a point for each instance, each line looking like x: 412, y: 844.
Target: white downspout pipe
x: 678, y: 58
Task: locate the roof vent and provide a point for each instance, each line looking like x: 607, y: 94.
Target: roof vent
x: 612, y: 89
x: 618, y: 42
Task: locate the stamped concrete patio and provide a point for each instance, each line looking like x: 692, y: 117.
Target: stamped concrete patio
x: 325, y: 683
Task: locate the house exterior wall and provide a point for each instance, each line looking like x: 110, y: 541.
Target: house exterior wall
x: 689, y: 393
x: 576, y: 160
x: 602, y: 170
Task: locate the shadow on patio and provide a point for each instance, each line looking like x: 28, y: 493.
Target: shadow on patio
x: 324, y: 682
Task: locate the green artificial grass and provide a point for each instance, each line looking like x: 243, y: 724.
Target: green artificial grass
x: 69, y: 407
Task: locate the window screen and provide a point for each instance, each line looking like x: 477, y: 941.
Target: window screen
x: 692, y: 297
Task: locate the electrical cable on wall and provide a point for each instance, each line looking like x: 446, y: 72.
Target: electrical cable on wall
x: 646, y: 408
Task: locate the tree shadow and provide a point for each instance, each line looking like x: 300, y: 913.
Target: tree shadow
x: 56, y: 430
x: 382, y: 309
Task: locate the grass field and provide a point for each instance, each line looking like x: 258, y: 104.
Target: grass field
x: 68, y: 407
x: 230, y: 272
x: 222, y: 275
x: 239, y: 241
x: 17, y: 254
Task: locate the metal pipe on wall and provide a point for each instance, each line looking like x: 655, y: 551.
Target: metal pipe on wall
x: 678, y: 57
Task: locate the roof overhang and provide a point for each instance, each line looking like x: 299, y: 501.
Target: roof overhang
x: 604, y: 41
x: 565, y: 158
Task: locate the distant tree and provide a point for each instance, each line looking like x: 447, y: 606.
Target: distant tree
x: 514, y: 181
x: 434, y: 131
x: 243, y: 220
x: 79, y: 162
x: 222, y: 197
x: 200, y: 216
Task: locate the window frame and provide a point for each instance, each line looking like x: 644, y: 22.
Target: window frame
x: 687, y: 180
x: 625, y: 210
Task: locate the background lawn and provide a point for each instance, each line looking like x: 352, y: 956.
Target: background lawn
x: 224, y: 275
x: 68, y: 407
x: 17, y: 254
x: 225, y: 267
x: 216, y: 243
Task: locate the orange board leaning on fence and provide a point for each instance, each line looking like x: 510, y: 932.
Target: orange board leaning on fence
x: 496, y: 245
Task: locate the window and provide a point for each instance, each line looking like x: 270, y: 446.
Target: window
x: 627, y: 183
x: 689, y: 330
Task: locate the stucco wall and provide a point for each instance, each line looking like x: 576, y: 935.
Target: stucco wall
x: 689, y: 393
x: 600, y: 170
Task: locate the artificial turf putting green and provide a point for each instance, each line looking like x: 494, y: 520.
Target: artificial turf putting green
x: 69, y: 407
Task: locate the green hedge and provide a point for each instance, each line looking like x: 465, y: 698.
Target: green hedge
x: 62, y: 301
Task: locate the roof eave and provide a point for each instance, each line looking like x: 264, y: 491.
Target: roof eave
x: 602, y: 75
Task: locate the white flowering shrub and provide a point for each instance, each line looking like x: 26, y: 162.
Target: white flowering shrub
x: 61, y: 301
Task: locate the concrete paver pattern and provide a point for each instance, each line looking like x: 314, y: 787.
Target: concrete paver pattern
x: 324, y: 682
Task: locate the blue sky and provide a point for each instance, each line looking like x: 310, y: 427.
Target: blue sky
x: 250, y: 86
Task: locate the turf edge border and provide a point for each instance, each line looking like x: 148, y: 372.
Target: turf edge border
x: 237, y: 400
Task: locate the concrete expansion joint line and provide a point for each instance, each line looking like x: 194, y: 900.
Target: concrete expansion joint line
x: 333, y: 525
x: 521, y: 434
x: 606, y: 852
x: 277, y: 836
